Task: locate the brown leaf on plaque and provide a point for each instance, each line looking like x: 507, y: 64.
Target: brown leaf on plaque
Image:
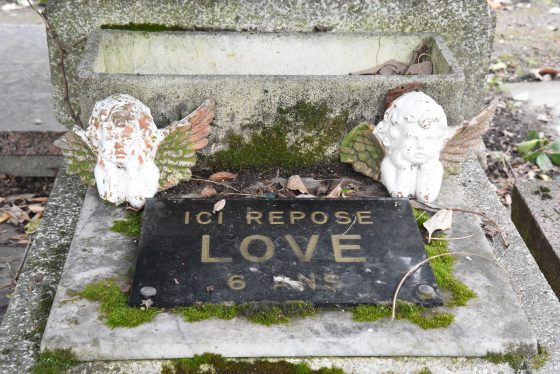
x: 208, y: 191
x: 391, y: 67
x: 39, y: 200
x: 222, y: 176
x: 393, y: 94
x: 423, y: 68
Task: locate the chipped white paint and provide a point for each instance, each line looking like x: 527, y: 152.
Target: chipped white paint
x: 123, y: 135
x: 413, y: 132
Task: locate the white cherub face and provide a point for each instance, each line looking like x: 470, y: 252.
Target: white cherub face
x: 123, y: 131
x: 414, y: 128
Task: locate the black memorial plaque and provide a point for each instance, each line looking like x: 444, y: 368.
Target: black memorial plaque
x: 328, y: 252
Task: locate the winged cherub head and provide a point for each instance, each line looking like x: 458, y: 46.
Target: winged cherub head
x: 413, y: 132
x: 414, y: 129
x: 127, y: 156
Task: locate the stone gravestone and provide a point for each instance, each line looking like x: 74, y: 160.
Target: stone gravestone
x: 328, y: 252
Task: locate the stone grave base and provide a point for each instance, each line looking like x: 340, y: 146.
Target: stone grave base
x: 493, y: 321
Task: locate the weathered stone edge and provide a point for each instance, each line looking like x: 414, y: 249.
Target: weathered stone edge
x: 23, y: 324
x: 537, y: 299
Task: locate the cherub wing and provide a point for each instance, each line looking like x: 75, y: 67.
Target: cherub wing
x: 467, y: 135
x: 79, y: 155
x: 362, y: 149
x: 176, y: 153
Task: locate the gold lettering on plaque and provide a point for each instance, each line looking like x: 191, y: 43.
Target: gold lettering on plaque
x: 309, y: 281
x: 236, y: 282
x: 275, y: 218
x: 205, y: 255
x: 303, y: 257
x: 254, y: 216
x: 244, y: 248
x: 342, y: 218
x: 338, y: 247
x: 364, y: 218
x: 294, y: 216
x: 324, y: 218
x: 206, y: 221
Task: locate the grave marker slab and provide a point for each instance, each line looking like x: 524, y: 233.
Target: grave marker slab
x: 328, y: 252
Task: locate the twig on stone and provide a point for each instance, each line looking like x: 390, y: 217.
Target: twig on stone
x: 480, y: 214
x: 62, y: 52
x: 214, y: 182
x: 349, y: 227
x: 419, y: 265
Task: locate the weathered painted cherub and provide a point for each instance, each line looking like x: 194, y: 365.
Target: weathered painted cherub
x: 127, y: 156
x: 410, y: 150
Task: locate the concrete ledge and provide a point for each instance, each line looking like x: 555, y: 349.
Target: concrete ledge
x: 535, y: 211
x: 30, y: 166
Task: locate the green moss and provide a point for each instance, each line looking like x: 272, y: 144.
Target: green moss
x: 54, y: 362
x: 442, y: 267
x: 114, y: 308
x: 212, y: 363
x: 298, y: 136
x: 130, y: 226
x: 115, y: 311
x: 424, y: 371
x: 513, y: 359
x: 261, y: 313
x: 540, y: 358
x: 200, y: 312
x: 424, y: 317
x: 6, y: 351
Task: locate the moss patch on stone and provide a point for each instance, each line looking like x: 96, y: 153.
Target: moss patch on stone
x: 54, y: 362
x: 513, y: 359
x: 442, y: 267
x: 213, y: 363
x: 114, y: 309
x: 113, y: 305
x: 540, y: 358
x: 519, y: 360
x: 130, y: 226
x: 299, y: 136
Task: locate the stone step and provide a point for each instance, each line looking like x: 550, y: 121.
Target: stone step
x: 28, y: 126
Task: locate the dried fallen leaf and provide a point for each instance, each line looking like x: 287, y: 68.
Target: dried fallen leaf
x: 398, y: 91
x: 208, y: 191
x: 39, y: 200
x: 2, y: 199
x: 391, y: 67
x: 494, y: 5
x: 296, y: 184
x: 336, y: 192
x: 36, y: 208
x: 13, y: 198
x: 422, y: 68
x: 439, y: 221
x: 147, y: 303
x: 4, y: 217
x: 219, y: 205
x: 18, y: 215
x: 126, y: 289
x: 222, y: 176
